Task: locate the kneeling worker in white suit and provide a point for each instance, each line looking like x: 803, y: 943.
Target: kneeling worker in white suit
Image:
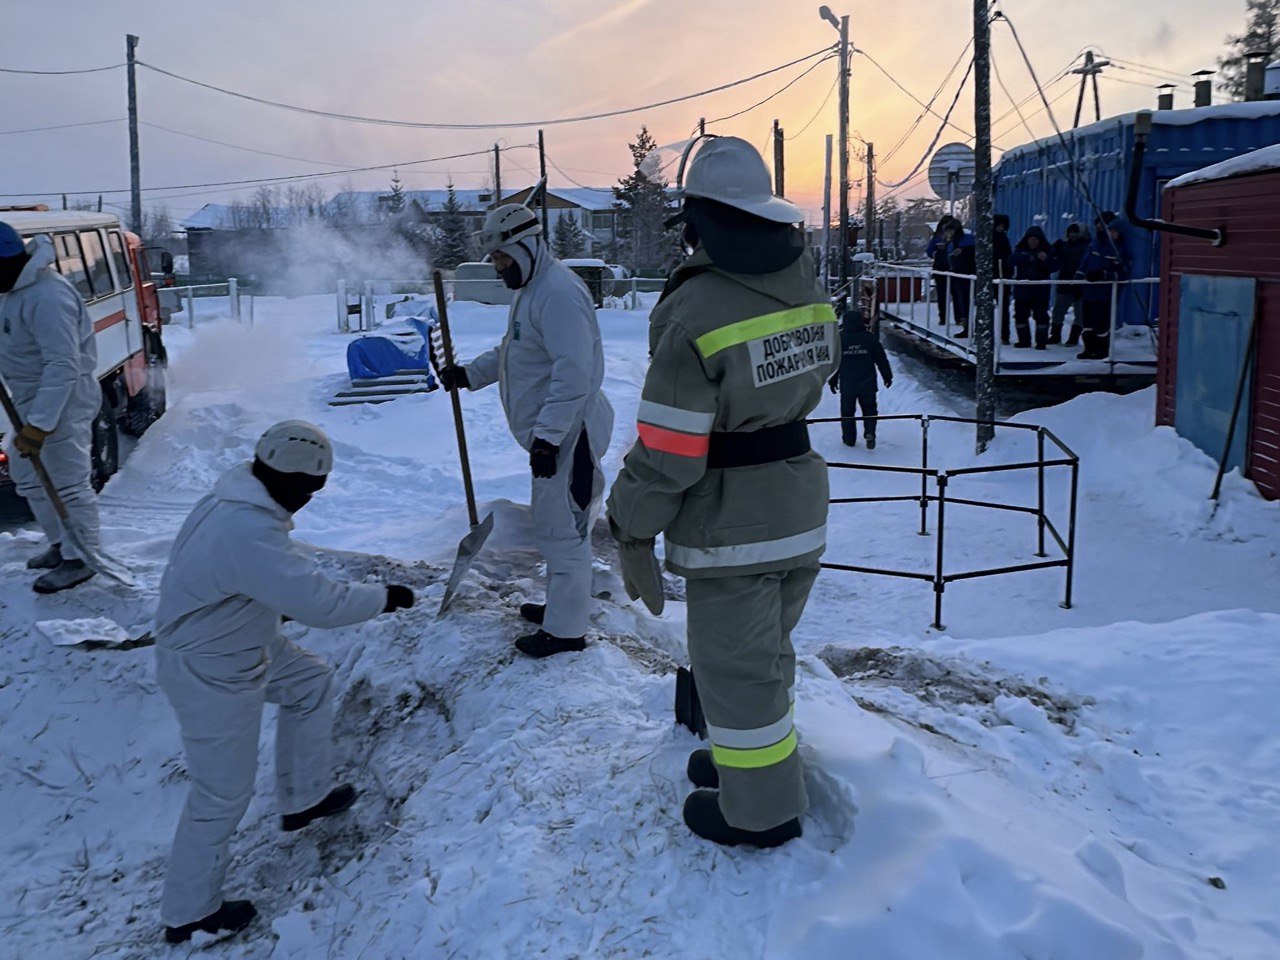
x: 233, y: 574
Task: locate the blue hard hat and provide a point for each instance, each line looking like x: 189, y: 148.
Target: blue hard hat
x: 10, y: 242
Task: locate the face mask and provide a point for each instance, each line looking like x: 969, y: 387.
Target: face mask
x: 10, y: 269
x: 292, y: 491
x: 512, y: 276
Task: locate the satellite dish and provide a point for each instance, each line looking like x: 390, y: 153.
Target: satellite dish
x: 951, y: 171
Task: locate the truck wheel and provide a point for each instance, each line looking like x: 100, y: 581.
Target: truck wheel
x: 105, y: 453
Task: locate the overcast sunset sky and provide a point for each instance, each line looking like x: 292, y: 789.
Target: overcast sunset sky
x: 475, y: 61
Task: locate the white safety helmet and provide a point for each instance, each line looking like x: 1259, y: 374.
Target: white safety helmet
x: 730, y: 171
x: 505, y: 225
x: 295, y: 446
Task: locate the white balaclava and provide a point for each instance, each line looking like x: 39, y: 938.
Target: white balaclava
x: 524, y: 254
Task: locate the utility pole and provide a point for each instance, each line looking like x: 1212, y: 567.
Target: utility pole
x: 1089, y: 70
x: 871, y: 193
x: 135, y: 164
x: 779, y: 162
x: 497, y: 175
x: 702, y: 126
x: 542, y: 171
x: 983, y: 326
x: 826, y: 220
x: 844, y: 152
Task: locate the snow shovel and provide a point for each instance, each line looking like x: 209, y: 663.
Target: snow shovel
x: 470, y: 545
x: 99, y: 561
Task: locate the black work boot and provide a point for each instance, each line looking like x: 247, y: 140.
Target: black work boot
x: 49, y: 560
x: 543, y: 644
x: 68, y: 574
x: 702, y: 815
x: 871, y: 441
x: 702, y: 770
x: 339, y: 799
x: 232, y: 917
x: 534, y: 612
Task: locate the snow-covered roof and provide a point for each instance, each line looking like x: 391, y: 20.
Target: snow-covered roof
x: 1160, y: 118
x: 361, y: 205
x: 1256, y: 161
x: 596, y: 199
x: 212, y: 216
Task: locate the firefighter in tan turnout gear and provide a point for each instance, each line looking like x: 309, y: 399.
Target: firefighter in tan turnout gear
x: 742, y: 343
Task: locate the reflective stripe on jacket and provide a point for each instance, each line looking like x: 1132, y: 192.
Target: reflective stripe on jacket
x: 730, y: 353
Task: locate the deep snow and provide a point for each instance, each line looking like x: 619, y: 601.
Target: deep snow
x: 1033, y: 782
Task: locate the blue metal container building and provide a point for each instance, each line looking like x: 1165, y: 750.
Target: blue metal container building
x: 1051, y: 183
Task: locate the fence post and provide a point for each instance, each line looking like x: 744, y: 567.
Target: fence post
x: 938, y: 584
x: 924, y: 479
x: 251, y: 299
x: 366, y: 307
x: 343, y: 326
x: 233, y: 298
x: 1040, y: 479
x: 1071, y: 533
x: 1111, y: 327
x: 191, y: 308
x: 635, y: 293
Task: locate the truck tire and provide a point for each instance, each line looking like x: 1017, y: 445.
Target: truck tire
x: 147, y: 406
x: 104, y: 455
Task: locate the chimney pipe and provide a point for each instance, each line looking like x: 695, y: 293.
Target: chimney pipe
x: 1255, y: 75
x: 1165, y: 100
x: 1204, y: 87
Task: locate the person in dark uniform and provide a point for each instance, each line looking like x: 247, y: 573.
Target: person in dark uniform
x: 861, y: 355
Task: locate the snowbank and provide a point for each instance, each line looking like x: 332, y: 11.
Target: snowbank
x: 1037, y: 782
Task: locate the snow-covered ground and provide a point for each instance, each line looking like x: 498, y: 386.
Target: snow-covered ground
x: 1099, y: 783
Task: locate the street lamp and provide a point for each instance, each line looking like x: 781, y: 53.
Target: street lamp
x: 842, y: 25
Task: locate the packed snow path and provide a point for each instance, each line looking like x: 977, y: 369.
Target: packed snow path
x: 1032, y: 783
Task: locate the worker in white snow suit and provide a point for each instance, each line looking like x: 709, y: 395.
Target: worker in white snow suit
x: 47, y: 358
x: 742, y: 341
x: 233, y: 574
x: 549, y: 368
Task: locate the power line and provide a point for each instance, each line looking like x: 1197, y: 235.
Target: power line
x: 63, y: 126
x: 236, y: 146
x: 937, y: 136
x: 483, y: 126
x: 60, y: 73
x: 817, y: 113
x: 1017, y: 108
x: 783, y: 89
x: 927, y: 106
x: 286, y: 179
x: 936, y: 93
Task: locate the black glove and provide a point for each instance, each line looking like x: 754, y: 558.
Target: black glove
x: 398, y: 598
x: 888, y: 383
x: 834, y: 384
x: 454, y: 377
x: 542, y: 458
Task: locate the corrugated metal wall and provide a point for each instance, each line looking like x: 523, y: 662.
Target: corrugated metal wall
x: 1249, y: 208
x: 1034, y: 184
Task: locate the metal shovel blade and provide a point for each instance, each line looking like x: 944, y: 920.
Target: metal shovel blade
x: 468, y: 548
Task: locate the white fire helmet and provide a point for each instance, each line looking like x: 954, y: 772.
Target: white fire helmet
x: 295, y: 446
x: 729, y: 170
x: 505, y: 225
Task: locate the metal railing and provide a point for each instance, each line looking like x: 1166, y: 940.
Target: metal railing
x: 939, y: 576
x: 910, y: 294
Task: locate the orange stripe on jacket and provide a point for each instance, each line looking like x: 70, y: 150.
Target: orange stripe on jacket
x: 669, y: 441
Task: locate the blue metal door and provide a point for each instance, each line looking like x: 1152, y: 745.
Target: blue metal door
x: 1215, y: 319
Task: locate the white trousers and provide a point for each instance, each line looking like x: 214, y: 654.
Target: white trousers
x: 66, y: 456
x: 564, y: 509
x: 218, y: 701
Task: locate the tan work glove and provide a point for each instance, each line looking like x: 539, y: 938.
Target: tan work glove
x: 30, y: 440
x: 641, y: 575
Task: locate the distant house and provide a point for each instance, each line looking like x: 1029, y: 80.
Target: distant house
x: 593, y: 208
x: 367, y: 207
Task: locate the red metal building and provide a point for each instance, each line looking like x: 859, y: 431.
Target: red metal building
x: 1212, y: 299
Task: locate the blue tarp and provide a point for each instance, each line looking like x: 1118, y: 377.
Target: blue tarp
x: 372, y: 357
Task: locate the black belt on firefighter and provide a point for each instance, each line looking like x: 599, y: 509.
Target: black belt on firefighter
x: 750, y: 449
